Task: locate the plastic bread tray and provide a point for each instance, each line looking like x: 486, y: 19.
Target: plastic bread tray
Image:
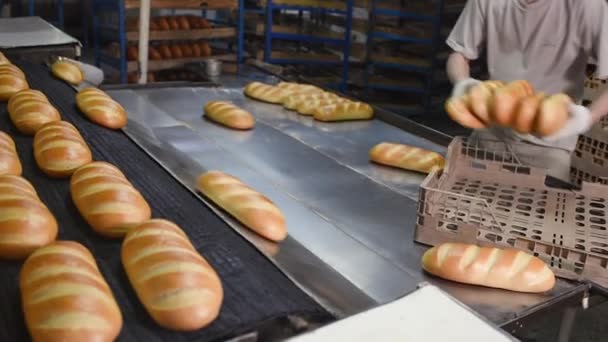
x: 490, y: 199
x: 590, y: 159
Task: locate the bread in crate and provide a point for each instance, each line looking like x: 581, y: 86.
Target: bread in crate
x: 489, y: 199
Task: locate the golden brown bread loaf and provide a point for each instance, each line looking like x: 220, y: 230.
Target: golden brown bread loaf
x: 310, y: 107
x: 12, y: 69
x: 527, y: 113
x: 553, y: 114
x: 107, y: 200
x: 12, y: 80
x: 29, y: 110
x: 407, y: 157
x: 229, y: 115
x: 3, y: 59
x: 59, y: 149
x: 292, y: 102
x: 177, y: 286
x: 458, y: 109
x: 508, y: 269
x: 67, y: 71
x: 251, y: 208
x: 65, y: 298
x: 298, y: 88
x: 344, y: 111
x: 100, y: 108
x: 506, y: 100
x: 9, y: 159
x: 25, y: 222
x: 266, y: 92
x: 480, y: 97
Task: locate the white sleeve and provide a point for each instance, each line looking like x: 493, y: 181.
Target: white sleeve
x: 469, y: 33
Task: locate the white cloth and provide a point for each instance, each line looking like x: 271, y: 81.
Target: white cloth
x: 580, y: 121
x: 461, y: 87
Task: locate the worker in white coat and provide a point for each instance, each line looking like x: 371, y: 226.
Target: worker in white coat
x: 546, y: 42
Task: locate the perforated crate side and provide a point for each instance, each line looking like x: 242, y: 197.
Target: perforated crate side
x: 578, y: 175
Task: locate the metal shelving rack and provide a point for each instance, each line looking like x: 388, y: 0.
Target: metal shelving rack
x: 120, y: 34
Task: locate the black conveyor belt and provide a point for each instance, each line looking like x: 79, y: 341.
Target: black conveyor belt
x: 254, y: 290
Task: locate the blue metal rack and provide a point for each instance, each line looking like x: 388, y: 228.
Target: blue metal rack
x: 102, y: 31
x: 31, y: 9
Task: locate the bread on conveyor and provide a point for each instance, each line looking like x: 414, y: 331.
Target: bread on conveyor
x: 176, y: 285
x: 65, y: 297
x: 508, y: 269
x: 12, y: 80
x: 67, y: 71
x: 344, y: 111
x: 107, y: 200
x: 407, y: 157
x: 59, y: 149
x: 251, y: 208
x: 266, y: 92
x: 29, y: 110
x: 12, y: 70
x: 100, y: 108
x: 310, y: 107
x: 292, y: 102
x: 229, y: 115
x: 9, y: 159
x: 26, y: 223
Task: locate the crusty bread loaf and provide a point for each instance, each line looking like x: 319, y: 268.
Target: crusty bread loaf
x: 67, y: 71
x: 407, y: 157
x: 12, y: 69
x: 176, y: 285
x: 65, y: 298
x: 266, y: 92
x: 458, y: 109
x: 59, y: 149
x: 310, y: 107
x: 527, y: 113
x: 480, y: 97
x: 25, y: 222
x: 508, y: 269
x: 107, y: 200
x: 251, y: 208
x: 9, y: 159
x: 10, y: 82
x: 506, y: 100
x: 344, y: 111
x: 100, y: 108
x: 553, y: 114
x: 229, y: 115
x: 298, y: 88
x: 292, y: 102
x: 29, y: 110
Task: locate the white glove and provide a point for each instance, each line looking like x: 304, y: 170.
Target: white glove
x: 580, y: 121
x: 461, y: 87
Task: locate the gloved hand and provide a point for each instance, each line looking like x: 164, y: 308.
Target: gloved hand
x: 461, y: 87
x: 580, y: 121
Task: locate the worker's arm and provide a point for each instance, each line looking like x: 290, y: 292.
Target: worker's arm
x: 458, y: 67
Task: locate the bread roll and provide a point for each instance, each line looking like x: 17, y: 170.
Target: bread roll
x: 508, y: 269
x: 65, y: 298
x: 194, y: 22
x: 101, y: 109
x: 266, y: 92
x: 205, y: 49
x: 527, y: 113
x: 310, y: 107
x: 154, y: 54
x: 553, y: 114
x: 480, y: 97
x: 506, y: 100
x: 107, y: 200
x: 27, y: 94
x: 344, y: 111
x: 132, y: 53
x: 67, y: 71
x: 293, y: 101
x: 163, y: 24
x: 29, y: 112
x: 196, y: 50
x: 153, y: 26
x: 251, y: 208
x: 173, y: 24
x: 12, y: 69
x: 59, y: 149
x: 177, y: 286
x: 176, y: 51
x: 186, y: 50
x: 183, y: 22
x: 459, y: 111
x: 165, y: 51
x: 11, y: 84
x: 204, y: 23
x: 229, y: 115
x: 9, y: 159
x: 407, y: 157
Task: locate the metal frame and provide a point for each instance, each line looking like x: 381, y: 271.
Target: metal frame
x: 31, y: 6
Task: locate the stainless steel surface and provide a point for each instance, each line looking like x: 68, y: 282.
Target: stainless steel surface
x: 31, y: 31
x: 350, y: 222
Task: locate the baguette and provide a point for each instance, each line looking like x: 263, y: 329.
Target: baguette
x: 508, y: 269
x: 26, y: 223
x: 310, y: 107
x: 9, y: 160
x: 292, y: 102
x: 100, y: 108
x: 67, y: 71
x: 229, y: 115
x: 407, y: 157
x: 176, y: 285
x: 29, y: 110
x: 266, y: 92
x: 553, y: 114
x: 480, y: 97
x: 527, y: 113
x: 10, y: 84
x: 65, y: 298
x: 344, y: 111
x: 459, y: 111
x: 59, y: 149
x: 507, y: 99
x: 248, y: 206
x: 107, y: 200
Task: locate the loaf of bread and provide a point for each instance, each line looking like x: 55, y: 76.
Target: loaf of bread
x: 508, y: 269
x: 480, y: 97
x: 266, y: 92
x: 176, y: 52
x: 310, y: 107
x: 344, y: 111
x: 292, y: 102
x: 67, y: 71
x: 3, y: 59
x: 107, y: 200
x: 9, y: 159
x: 506, y: 100
x: 458, y: 109
x: 229, y: 115
x: 251, y: 208
x: 527, y: 113
x: 298, y: 88
x: 12, y: 80
x: 25, y: 222
x: 59, y: 149
x: 553, y: 114
x: 12, y: 69
x: 183, y: 22
x: 65, y: 298
x: 162, y: 24
x: 132, y: 53
x: 176, y: 285
x: 407, y: 157
x: 100, y: 108
x: 29, y: 110
x: 173, y: 24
